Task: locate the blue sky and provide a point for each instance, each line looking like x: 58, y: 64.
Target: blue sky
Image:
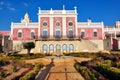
x: 107, y: 11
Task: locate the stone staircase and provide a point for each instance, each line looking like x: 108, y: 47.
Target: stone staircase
x: 91, y: 46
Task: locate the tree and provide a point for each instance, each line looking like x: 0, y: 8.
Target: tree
x: 28, y: 46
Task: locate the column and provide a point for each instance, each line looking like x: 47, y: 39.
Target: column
x: 76, y: 35
x: 51, y: 27
x: 64, y: 26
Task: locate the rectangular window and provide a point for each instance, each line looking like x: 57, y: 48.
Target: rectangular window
x: 95, y: 34
x: 45, y: 34
x: 32, y: 35
x: 70, y: 34
x: 82, y: 34
x: 19, y: 34
x: 57, y: 34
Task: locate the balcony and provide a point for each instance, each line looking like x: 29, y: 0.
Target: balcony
x: 58, y: 38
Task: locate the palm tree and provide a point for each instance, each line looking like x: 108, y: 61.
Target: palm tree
x: 29, y: 46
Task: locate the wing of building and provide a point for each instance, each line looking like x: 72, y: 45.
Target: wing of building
x: 58, y: 30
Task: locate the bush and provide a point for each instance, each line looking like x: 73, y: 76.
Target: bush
x: 29, y: 76
x: 85, y: 72
x: 14, y: 69
x: 48, y: 54
x: 39, y: 65
x: 108, y: 62
x: 118, y: 65
x: 3, y: 74
x: 107, y: 71
x: 25, y: 56
x: 82, y: 54
x: 32, y: 75
x: 1, y: 51
x: 3, y: 62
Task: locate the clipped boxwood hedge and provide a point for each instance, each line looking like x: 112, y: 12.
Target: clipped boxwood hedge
x: 32, y: 75
x: 85, y: 72
x: 107, y: 71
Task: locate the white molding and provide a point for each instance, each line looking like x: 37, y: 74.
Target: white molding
x: 24, y: 27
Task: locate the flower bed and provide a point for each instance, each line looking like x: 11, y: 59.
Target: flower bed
x: 32, y: 75
x: 106, y: 66
x: 108, y: 71
x: 85, y: 72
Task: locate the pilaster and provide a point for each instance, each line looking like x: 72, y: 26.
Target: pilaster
x: 64, y: 26
x: 51, y: 27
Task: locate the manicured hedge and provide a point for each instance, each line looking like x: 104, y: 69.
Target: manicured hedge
x: 82, y: 54
x: 85, y: 72
x: 25, y: 56
x: 107, y: 71
x: 3, y: 62
x: 3, y: 74
x: 32, y: 75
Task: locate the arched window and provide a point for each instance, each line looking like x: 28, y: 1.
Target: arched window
x: 57, y: 33
x: 71, y: 48
x: 51, y: 48
x: 45, y: 33
x: 44, y: 48
x: 95, y: 33
x: 32, y: 33
x: 70, y: 34
x: 64, y: 48
x: 82, y: 33
x: 20, y: 33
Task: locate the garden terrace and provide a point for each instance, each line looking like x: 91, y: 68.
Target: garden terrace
x: 105, y: 66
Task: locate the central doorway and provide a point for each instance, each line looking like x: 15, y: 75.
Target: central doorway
x: 58, y: 50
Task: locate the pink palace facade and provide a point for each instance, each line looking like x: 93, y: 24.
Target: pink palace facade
x: 58, y: 30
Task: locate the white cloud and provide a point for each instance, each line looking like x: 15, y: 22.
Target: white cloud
x: 25, y: 4
x: 6, y: 5
x: 11, y: 8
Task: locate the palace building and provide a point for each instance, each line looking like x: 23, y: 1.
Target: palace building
x: 59, y: 30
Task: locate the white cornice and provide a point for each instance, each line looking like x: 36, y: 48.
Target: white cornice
x: 25, y: 25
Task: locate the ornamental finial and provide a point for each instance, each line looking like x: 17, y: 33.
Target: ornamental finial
x: 75, y: 9
x: 63, y: 7
x: 39, y: 10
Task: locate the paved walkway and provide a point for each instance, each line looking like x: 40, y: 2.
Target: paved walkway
x: 63, y: 71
